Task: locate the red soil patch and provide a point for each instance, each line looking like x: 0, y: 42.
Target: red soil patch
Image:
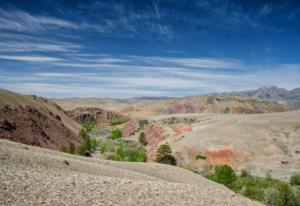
x: 224, y: 156
x: 154, y: 135
x: 129, y: 128
x: 179, y: 130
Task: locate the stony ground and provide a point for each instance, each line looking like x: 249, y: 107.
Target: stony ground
x: 35, y: 176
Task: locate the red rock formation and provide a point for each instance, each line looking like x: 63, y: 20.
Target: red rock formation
x: 129, y: 128
x: 30, y: 126
x: 154, y: 134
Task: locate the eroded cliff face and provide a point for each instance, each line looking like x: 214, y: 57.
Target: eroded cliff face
x: 100, y: 116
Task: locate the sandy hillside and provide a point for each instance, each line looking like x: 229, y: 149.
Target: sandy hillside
x: 257, y: 142
x: 35, y: 176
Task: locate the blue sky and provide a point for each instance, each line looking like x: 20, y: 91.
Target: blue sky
x: 134, y: 48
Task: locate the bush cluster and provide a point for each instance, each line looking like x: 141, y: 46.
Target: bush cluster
x: 116, y: 134
x: 122, y: 150
x: 118, y: 122
x: 267, y: 190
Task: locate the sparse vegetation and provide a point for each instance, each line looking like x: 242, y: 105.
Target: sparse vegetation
x: 295, y: 179
x: 89, y: 144
x: 164, y: 155
x: 116, y: 133
x: 71, y: 149
x: 89, y: 125
x: 200, y: 157
x: 118, y: 122
x: 143, y: 123
x: 122, y: 150
x: 266, y: 190
x: 176, y: 120
x: 142, y: 139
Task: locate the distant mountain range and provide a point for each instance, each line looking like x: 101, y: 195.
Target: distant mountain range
x: 272, y: 93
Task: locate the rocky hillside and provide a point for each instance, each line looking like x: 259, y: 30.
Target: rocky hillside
x: 36, y: 176
x: 203, y: 104
x: 272, y: 93
x: 100, y: 116
x: 35, y: 121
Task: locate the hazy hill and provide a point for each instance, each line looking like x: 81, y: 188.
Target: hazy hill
x: 204, y: 104
x: 272, y: 93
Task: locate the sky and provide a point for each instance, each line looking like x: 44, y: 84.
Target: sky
x: 131, y: 48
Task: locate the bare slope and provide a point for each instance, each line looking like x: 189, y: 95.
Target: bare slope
x: 257, y: 142
x: 36, y: 121
x: 35, y: 176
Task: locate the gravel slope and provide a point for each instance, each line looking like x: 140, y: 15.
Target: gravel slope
x: 35, y: 176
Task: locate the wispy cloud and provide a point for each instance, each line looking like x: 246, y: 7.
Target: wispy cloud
x: 29, y: 58
x: 16, y: 20
x: 266, y: 9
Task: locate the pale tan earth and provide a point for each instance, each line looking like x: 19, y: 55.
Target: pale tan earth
x: 35, y: 176
x: 204, y: 104
x: 257, y: 142
x: 108, y: 104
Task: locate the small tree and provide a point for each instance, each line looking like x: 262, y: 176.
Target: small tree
x: 164, y: 155
x: 83, y: 133
x: 93, y: 144
x: 116, y: 134
x: 71, y: 148
x: 225, y: 175
x: 295, y: 179
x: 142, y: 139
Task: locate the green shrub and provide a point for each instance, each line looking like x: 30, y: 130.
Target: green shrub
x: 285, y: 195
x: 81, y: 150
x: 253, y: 192
x: 164, y: 155
x: 71, y: 148
x: 63, y: 149
x: 89, y: 125
x: 225, y: 175
x: 116, y: 134
x: 142, y: 139
x: 123, y: 150
x: 295, y: 179
x: 93, y: 144
x: 200, y: 157
x: 117, y: 122
x: 83, y: 133
x: 245, y: 173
